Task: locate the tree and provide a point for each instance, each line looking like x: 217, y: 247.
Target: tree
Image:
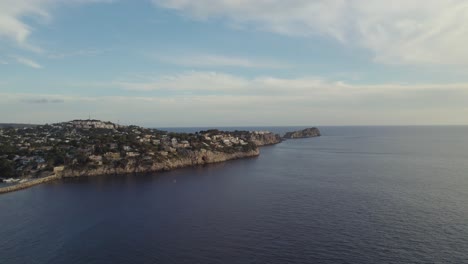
x: 7, y: 168
x: 81, y: 158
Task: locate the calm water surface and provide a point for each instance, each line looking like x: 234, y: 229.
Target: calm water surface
x: 355, y: 195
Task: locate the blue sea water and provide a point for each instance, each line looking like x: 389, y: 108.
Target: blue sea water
x: 354, y: 195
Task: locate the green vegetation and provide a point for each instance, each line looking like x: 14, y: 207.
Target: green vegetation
x: 7, y: 168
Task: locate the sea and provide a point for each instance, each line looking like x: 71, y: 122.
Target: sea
x: 354, y: 195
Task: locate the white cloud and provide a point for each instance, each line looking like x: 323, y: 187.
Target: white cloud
x: 227, y: 100
x: 12, y: 23
x: 27, y: 62
x: 218, y: 82
x: 330, y: 104
x: 210, y: 98
x: 223, y: 83
x: 398, y: 31
x: 213, y: 60
x: 189, y: 82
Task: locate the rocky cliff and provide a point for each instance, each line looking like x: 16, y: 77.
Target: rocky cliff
x: 133, y: 166
x: 192, y: 158
x: 305, y: 133
x: 264, y: 138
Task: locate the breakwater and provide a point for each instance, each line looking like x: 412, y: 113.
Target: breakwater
x: 27, y: 184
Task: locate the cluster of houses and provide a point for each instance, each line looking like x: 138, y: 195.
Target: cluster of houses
x: 39, y: 148
x: 221, y: 140
x: 88, y: 124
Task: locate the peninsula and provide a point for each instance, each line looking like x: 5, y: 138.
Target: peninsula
x: 36, y: 154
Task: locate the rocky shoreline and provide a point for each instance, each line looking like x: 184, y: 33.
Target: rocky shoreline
x: 198, y: 158
x: 195, y: 159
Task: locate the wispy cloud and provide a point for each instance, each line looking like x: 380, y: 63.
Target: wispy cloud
x: 400, y: 31
x: 307, y: 86
x: 76, y: 53
x: 214, y: 60
x: 322, y: 103
x: 183, y: 82
x: 27, y: 62
x: 13, y: 25
x: 42, y: 101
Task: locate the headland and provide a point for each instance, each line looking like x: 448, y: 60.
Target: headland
x: 32, y: 155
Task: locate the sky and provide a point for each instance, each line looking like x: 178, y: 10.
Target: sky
x: 181, y: 63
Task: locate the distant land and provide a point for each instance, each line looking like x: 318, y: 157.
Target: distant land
x: 32, y: 154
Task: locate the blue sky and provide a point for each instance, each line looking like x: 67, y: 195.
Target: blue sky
x: 235, y: 62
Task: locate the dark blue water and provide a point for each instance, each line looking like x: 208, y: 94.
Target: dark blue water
x: 355, y: 195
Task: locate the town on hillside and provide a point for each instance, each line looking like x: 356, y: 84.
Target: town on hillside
x: 39, y: 151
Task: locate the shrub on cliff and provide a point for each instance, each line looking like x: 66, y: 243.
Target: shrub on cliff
x: 229, y: 150
x: 249, y: 147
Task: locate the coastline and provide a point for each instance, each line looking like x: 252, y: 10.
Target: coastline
x: 151, y: 163
x: 196, y: 159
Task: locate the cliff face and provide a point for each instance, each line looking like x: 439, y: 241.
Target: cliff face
x: 305, y: 133
x: 195, y: 158
x: 192, y: 158
x: 265, y: 138
x: 133, y: 166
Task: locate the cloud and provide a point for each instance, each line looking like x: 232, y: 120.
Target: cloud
x: 238, y: 101
x: 198, y: 98
x: 213, y: 60
x: 11, y: 25
x: 223, y: 83
x: 222, y: 99
x: 396, y: 32
x: 188, y: 82
x: 13, y: 13
x: 27, y: 62
x: 43, y: 101
x: 76, y: 53
x: 361, y: 107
